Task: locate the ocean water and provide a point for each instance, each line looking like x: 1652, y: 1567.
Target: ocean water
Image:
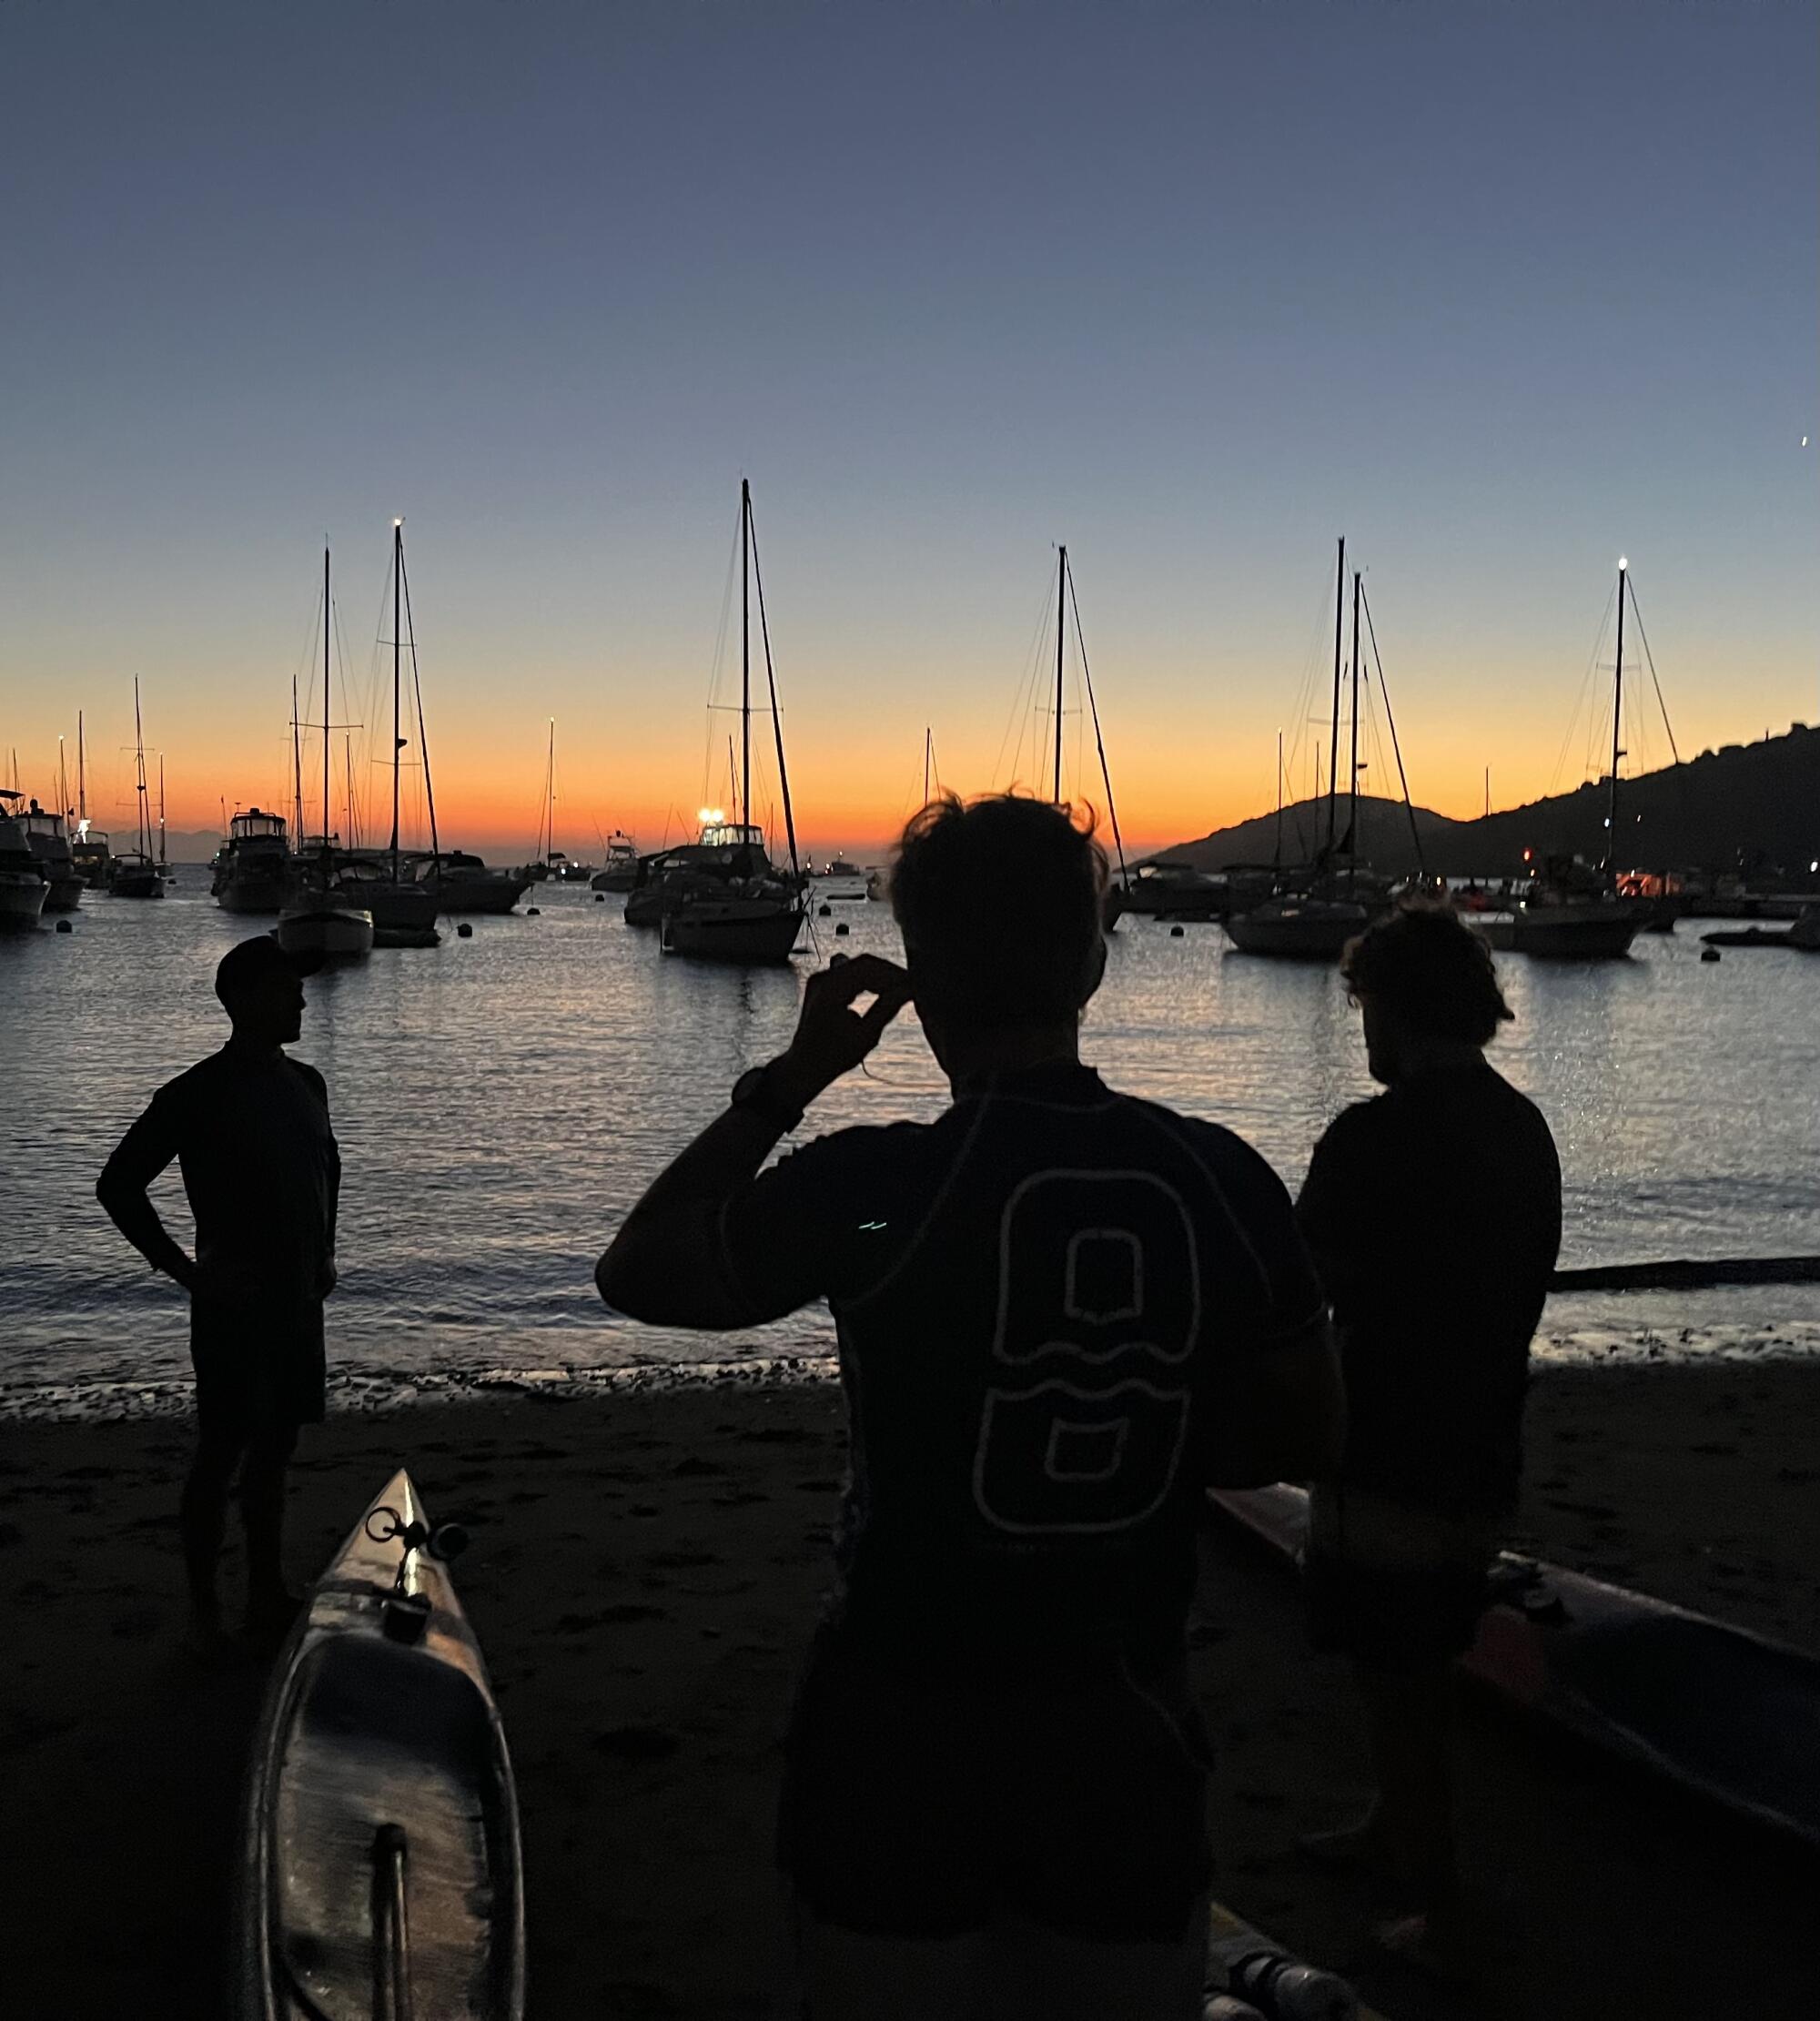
x: 501, y: 1101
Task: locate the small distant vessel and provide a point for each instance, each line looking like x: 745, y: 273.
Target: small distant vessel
x: 317, y: 919
x: 48, y: 842
x: 838, y: 866
x: 620, y: 870
x: 463, y: 882
x: 133, y: 874
x: 1175, y: 891
x: 749, y: 913
x: 87, y: 846
x: 1313, y: 912
x: 252, y: 867
x: 548, y: 862
x: 1113, y: 905
x: 1803, y: 937
x: 22, y: 885
x: 1571, y: 911
x: 403, y: 906
x: 381, y: 1872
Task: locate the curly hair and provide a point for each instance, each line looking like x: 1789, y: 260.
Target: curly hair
x: 999, y: 902
x: 1428, y: 967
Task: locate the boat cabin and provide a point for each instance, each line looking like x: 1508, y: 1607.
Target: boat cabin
x: 255, y: 824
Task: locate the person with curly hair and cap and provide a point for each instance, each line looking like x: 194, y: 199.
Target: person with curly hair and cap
x: 1433, y: 1212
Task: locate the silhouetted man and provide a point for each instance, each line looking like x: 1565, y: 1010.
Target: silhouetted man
x: 1062, y: 1312
x: 1434, y: 1215
x: 260, y: 1167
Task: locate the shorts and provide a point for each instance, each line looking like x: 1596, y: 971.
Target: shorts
x: 256, y: 1371
x: 1392, y: 1583
x: 938, y: 1805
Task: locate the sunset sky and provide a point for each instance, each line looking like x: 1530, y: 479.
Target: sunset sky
x: 1498, y: 292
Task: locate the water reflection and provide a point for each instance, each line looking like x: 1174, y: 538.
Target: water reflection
x: 503, y: 1100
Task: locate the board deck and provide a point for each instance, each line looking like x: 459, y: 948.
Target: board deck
x: 1710, y: 1708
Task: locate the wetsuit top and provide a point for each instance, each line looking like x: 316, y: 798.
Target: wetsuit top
x: 1434, y: 1215
x: 1031, y: 1294
x: 260, y: 1164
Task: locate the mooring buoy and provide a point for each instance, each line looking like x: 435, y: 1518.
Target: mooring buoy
x: 64, y: 927
x: 1174, y: 932
x: 1709, y: 953
x: 841, y: 931
x: 464, y: 932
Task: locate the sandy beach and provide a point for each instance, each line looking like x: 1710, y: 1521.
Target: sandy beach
x: 645, y: 1573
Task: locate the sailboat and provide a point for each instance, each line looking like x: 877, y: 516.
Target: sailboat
x: 317, y: 920
x: 88, y: 846
x: 403, y: 907
x: 878, y: 882
x: 547, y: 860
x: 1306, y: 917
x: 1113, y: 903
x: 133, y: 874
x: 1571, y: 911
x: 749, y: 913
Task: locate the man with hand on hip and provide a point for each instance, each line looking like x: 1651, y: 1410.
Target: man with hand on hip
x: 1063, y: 1313
x: 262, y: 1172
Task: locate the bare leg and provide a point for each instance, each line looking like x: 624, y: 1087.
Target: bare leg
x: 262, y: 1498
x: 1410, y: 1724
x: 202, y: 1519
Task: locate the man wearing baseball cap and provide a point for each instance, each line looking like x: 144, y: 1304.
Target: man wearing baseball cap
x: 249, y: 1129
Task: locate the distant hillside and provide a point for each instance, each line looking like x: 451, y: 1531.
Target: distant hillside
x: 1746, y: 806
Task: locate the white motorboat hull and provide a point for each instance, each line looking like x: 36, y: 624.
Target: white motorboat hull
x: 326, y: 932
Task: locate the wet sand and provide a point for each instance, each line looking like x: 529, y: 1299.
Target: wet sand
x: 645, y: 1571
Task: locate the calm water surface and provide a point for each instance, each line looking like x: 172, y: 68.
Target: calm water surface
x: 501, y: 1101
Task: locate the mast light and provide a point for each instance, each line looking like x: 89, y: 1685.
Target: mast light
x: 1623, y: 564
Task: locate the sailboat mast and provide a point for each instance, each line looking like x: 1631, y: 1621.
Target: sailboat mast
x: 1352, y: 811
x: 161, y: 810
x: 295, y: 773
x: 81, y: 775
x: 398, y: 742
x: 550, y: 801
x: 745, y: 652
x: 140, y: 749
x: 1277, y: 861
x: 1061, y: 608
x: 928, y: 753
x: 1333, y: 742
x: 327, y: 623
x: 1617, y: 724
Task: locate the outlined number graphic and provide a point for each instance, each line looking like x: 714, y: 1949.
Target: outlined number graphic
x: 1098, y: 1311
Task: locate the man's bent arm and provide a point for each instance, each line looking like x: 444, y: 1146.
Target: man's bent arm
x: 668, y: 1265
x: 138, y: 1158
x: 1277, y: 1415
x: 665, y: 1266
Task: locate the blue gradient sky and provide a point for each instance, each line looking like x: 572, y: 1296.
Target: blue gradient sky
x: 1498, y: 292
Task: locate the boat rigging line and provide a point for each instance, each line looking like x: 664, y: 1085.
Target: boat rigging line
x: 1389, y: 717
x: 1099, y: 741
x: 771, y: 684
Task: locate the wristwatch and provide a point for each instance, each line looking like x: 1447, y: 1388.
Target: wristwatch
x: 756, y: 1090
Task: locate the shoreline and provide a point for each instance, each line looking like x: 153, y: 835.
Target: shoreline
x: 646, y: 1569
x: 380, y: 1390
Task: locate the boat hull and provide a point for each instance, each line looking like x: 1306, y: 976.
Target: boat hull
x: 1563, y: 933
x: 742, y: 930
x: 137, y: 884
x: 492, y: 896
x: 615, y: 880
x: 326, y: 932
x: 1712, y: 1708
x: 253, y: 896
x: 1317, y: 930
x: 22, y: 900
x: 379, y: 1775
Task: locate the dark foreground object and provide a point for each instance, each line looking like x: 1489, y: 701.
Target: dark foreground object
x: 1712, y: 1708
x: 647, y: 1570
x: 382, y: 1875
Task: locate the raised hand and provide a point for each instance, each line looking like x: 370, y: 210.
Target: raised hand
x: 831, y: 1036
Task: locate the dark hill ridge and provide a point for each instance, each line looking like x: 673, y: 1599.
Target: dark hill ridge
x: 1747, y: 806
